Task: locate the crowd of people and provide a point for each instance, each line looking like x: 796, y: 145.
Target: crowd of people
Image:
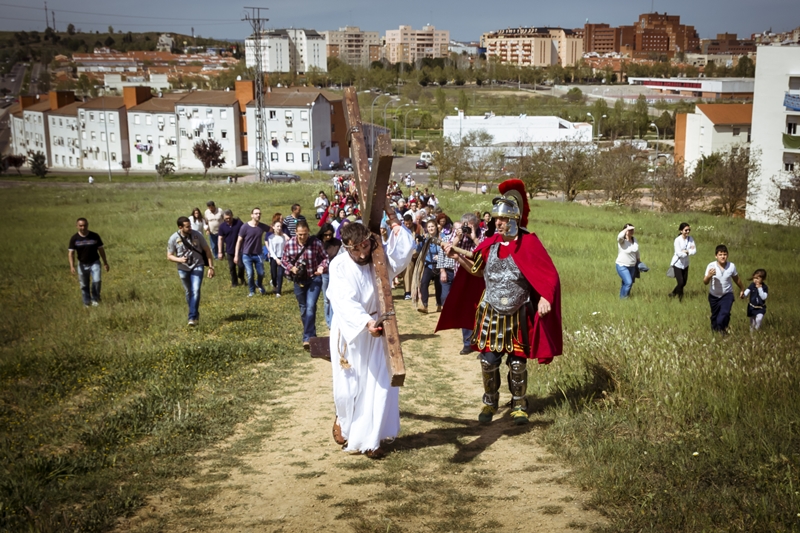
x: 492, y: 279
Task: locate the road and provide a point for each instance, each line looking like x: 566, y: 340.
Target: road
x: 12, y: 82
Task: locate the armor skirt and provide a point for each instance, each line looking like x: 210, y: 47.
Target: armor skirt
x: 498, y: 332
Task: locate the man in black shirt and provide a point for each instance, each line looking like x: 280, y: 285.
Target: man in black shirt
x: 88, y: 246
x: 228, y: 234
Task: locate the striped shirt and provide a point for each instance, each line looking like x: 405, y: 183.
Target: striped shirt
x: 291, y: 224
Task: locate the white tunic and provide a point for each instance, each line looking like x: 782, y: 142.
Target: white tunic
x: 366, y: 404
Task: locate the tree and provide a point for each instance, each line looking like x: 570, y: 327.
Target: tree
x: 38, y: 163
x: 530, y: 165
x: 674, y: 190
x: 71, y: 29
x: 745, y: 68
x: 126, y: 166
x: 111, y: 29
x: 574, y: 96
x: 441, y: 99
x: 729, y: 180
x: 641, y: 115
x: 451, y: 162
x: 572, y: 166
x: 787, y: 188
x: 109, y: 41
x: 16, y: 161
x: 209, y: 152
x: 482, y: 159
x: 412, y: 90
x: 620, y: 174
x: 165, y: 167
x: 463, y: 101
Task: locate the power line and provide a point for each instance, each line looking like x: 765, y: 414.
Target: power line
x: 124, y: 24
x: 118, y: 15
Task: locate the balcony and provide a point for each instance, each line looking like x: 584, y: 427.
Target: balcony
x: 791, y: 101
x: 791, y: 142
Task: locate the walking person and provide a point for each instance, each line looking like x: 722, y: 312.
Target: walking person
x: 250, y: 250
x: 226, y: 244
x: 757, y: 291
x: 467, y: 237
x: 719, y: 274
x: 321, y: 203
x: 187, y: 248
x: 332, y: 246
x: 292, y: 220
x: 304, y: 262
x: 214, y: 217
x: 88, y: 247
x: 198, y: 221
x: 430, y: 272
x: 684, y: 247
x: 276, y: 242
x: 627, y: 259
x: 367, y: 406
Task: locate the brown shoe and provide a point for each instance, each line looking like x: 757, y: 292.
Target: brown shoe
x: 337, y: 433
x: 377, y: 453
x: 422, y: 309
x: 438, y: 308
x: 307, y: 346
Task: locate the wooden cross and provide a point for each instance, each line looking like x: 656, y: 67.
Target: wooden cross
x: 372, y: 188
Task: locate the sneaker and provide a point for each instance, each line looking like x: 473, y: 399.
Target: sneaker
x: 192, y: 322
x: 519, y: 416
x: 251, y: 294
x: 465, y: 350
x: 95, y: 303
x: 487, y: 413
x: 262, y: 291
x: 277, y: 295
x: 407, y: 296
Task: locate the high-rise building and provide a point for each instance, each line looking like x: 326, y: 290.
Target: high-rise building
x: 353, y: 46
x: 289, y: 50
x: 535, y: 47
x: 652, y: 34
x: 408, y: 45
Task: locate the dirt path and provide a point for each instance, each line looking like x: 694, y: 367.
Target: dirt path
x: 282, y: 471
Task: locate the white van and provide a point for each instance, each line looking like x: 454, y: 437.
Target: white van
x: 427, y: 157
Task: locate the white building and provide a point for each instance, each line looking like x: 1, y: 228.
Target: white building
x: 157, y: 82
x: 37, y: 129
x: 355, y: 47
x: 776, y: 134
x: 65, y: 137
x: 153, y: 131
x: 711, y: 88
x: 508, y: 131
x: 407, y: 45
x: 291, y: 50
x: 298, y: 127
x: 711, y: 128
x: 103, y: 126
x: 206, y: 115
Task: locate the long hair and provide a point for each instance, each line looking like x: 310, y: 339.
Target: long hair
x: 197, y: 210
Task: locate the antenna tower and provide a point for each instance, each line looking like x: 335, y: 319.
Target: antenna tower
x: 262, y: 152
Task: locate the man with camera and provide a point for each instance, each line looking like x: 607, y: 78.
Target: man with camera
x: 304, y: 261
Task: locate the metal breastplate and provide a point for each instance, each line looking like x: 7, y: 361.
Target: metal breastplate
x: 506, y: 288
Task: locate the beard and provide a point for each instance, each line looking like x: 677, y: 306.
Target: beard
x: 362, y: 262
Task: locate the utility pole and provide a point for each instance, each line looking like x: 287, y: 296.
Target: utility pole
x: 46, y: 18
x: 262, y: 151
x: 54, y: 19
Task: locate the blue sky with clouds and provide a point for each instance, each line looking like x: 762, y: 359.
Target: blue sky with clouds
x: 466, y: 19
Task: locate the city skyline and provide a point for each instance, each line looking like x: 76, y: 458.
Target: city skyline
x: 210, y: 19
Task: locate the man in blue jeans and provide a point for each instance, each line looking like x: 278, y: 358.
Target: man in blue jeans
x: 187, y: 247
x: 88, y: 246
x: 250, y: 251
x: 304, y: 261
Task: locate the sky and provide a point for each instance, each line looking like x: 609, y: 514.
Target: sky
x: 465, y: 19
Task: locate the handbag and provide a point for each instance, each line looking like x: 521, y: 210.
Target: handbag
x: 192, y: 248
x: 671, y: 271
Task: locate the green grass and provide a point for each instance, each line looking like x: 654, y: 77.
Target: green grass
x: 672, y: 428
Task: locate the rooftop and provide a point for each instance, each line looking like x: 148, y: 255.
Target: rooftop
x: 166, y: 103
x: 41, y: 106
x: 209, y: 98
x: 69, y: 110
x: 727, y: 113
x: 291, y: 98
x: 104, y: 102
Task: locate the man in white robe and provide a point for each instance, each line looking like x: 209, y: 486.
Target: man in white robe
x: 367, y: 406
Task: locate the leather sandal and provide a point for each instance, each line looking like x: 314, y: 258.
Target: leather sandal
x: 337, y: 433
x: 377, y: 453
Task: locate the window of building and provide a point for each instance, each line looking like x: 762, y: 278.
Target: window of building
x: 289, y: 136
x: 149, y: 139
x: 138, y: 158
x: 138, y: 138
x: 103, y: 136
x: 83, y: 135
x: 328, y: 151
x: 791, y: 128
x: 171, y: 120
x: 91, y: 117
x: 136, y: 119
x: 304, y: 115
x: 173, y: 140
x: 161, y: 140
x: 111, y: 117
x: 113, y: 156
x: 273, y: 115
x: 289, y: 115
x: 70, y: 160
x: 210, y: 134
x: 273, y: 135
x: 209, y: 112
x: 82, y: 114
x: 333, y: 128
x: 273, y: 156
x: 789, y: 199
x: 94, y: 135
x: 113, y: 136
x: 788, y: 166
x: 306, y: 158
x: 56, y: 158
x: 196, y: 113
x: 148, y: 119
x: 224, y: 134
x: 304, y: 136
x: 223, y: 114
x: 183, y: 132
x: 736, y: 131
x: 289, y: 157
x: 105, y: 156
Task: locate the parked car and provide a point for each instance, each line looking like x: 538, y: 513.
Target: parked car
x: 279, y: 175
x: 422, y: 164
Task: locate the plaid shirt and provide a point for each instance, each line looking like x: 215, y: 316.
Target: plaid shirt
x: 446, y: 262
x: 314, y: 255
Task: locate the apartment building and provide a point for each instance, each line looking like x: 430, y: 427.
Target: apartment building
x: 65, y: 136
x: 534, y: 47
x: 727, y: 43
x: 153, y: 126
x: 288, y: 50
x: 776, y: 133
x: 711, y: 128
x: 652, y: 34
x: 103, y: 126
x: 208, y: 115
x: 355, y: 47
x: 298, y: 129
x: 408, y: 45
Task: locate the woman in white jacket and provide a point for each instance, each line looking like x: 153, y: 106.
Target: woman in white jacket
x: 627, y: 259
x: 684, y: 247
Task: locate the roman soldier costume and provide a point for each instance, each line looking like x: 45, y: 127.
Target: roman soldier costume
x: 499, y: 300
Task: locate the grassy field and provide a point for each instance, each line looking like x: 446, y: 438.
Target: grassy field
x: 673, y: 429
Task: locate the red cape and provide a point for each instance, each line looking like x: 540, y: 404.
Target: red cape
x: 535, y: 264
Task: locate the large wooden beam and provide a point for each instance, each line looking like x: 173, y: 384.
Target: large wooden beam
x: 372, y: 188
